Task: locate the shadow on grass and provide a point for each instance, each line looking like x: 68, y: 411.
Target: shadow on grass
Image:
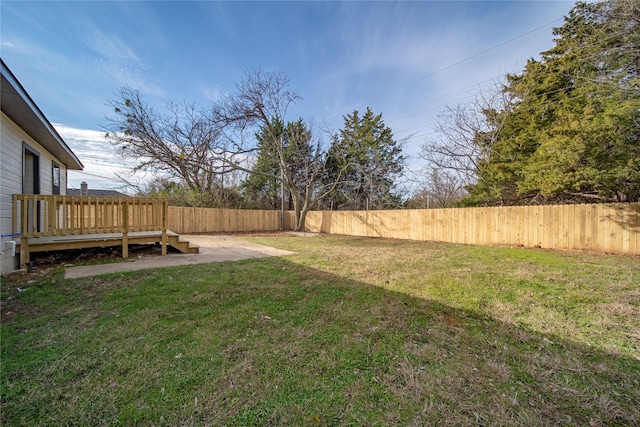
x: 270, y: 342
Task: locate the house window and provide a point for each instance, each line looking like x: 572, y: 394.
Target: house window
x: 55, y: 178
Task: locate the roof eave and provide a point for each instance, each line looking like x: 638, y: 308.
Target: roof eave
x: 20, y: 108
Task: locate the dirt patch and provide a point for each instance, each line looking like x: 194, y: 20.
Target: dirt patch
x: 43, y: 263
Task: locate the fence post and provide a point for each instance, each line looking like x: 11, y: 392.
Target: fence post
x: 164, y: 217
x: 125, y: 231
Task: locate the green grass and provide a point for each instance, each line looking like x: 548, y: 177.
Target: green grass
x: 348, y: 331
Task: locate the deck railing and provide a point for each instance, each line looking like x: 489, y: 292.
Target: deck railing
x: 47, y: 216
x: 37, y: 215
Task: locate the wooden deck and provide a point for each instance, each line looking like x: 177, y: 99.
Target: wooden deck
x: 51, y: 223
x: 81, y: 241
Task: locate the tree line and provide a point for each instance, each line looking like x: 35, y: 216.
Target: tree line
x: 564, y: 130
x: 242, y: 153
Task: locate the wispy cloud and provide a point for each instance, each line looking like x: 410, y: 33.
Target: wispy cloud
x: 102, y: 165
x: 111, y: 47
x: 118, y: 60
x: 211, y: 93
x: 88, y: 142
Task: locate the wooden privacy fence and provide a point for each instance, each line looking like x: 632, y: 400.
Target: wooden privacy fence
x: 611, y: 228
x: 206, y: 220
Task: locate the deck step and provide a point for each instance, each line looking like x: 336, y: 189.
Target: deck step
x: 182, y: 245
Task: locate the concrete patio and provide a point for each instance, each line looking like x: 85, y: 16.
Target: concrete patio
x: 212, y: 249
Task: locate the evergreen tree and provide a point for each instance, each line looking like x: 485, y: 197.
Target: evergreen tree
x: 369, y: 158
x: 261, y: 188
x: 572, y: 132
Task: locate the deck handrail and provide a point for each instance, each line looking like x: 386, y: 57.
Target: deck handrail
x: 39, y: 215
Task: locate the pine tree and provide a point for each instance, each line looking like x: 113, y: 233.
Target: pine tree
x: 572, y: 132
x: 261, y: 188
x: 370, y: 157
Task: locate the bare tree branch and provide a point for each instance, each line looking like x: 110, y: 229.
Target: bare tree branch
x: 200, y: 147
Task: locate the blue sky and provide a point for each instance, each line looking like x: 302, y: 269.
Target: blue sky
x: 406, y: 60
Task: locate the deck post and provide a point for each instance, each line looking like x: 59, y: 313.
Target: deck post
x: 24, y: 228
x: 24, y: 217
x: 125, y: 231
x: 24, y: 252
x: 14, y: 214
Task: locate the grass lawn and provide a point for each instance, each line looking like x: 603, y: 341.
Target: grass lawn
x: 348, y: 331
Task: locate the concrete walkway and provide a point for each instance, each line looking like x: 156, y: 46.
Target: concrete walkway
x: 212, y: 249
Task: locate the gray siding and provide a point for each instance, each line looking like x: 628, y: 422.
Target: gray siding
x: 11, y: 143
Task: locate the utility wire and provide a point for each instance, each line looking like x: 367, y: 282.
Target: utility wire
x: 576, y: 50
x: 486, y: 50
x: 456, y: 101
x: 467, y: 59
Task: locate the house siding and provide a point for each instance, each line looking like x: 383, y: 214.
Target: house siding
x: 11, y: 149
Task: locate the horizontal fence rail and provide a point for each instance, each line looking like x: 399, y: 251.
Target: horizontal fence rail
x: 37, y: 215
x: 613, y: 228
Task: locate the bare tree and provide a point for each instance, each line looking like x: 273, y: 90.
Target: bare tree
x: 439, y: 189
x: 179, y: 143
x: 468, y: 130
x: 261, y: 100
x: 202, y: 147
